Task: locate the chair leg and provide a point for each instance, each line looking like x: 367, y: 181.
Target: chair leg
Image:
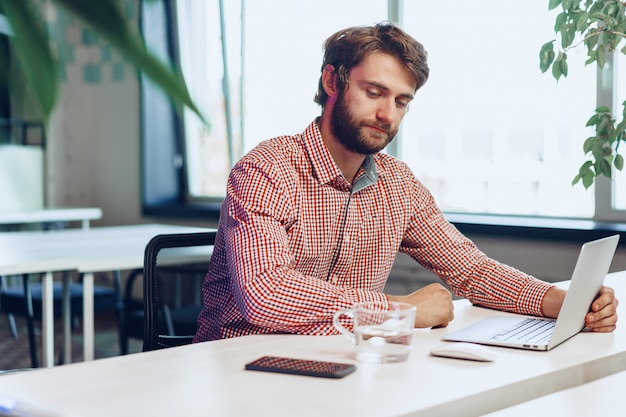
x: 120, y: 312
x: 30, y: 321
x: 12, y: 325
x: 10, y: 317
x: 124, y: 309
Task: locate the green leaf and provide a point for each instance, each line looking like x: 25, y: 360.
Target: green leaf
x: 592, y: 121
x: 601, y: 55
x: 611, y: 9
x: 605, y: 125
x: 553, y: 4
x: 581, y: 23
x: 568, y: 33
x: 106, y: 19
x: 556, y: 67
x: 603, y: 109
x: 619, y: 162
x: 564, y: 66
x: 559, y: 21
x: 605, y: 168
x: 588, y: 144
x: 591, y: 41
x: 33, y: 53
x: 546, y: 56
x: 592, y: 57
x: 588, y: 179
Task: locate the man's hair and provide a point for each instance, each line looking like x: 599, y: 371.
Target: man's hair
x: 349, y: 47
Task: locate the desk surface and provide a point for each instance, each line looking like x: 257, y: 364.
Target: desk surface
x: 85, y: 250
x: 602, y: 397
x: 52, y: 214
x: 209, y: 378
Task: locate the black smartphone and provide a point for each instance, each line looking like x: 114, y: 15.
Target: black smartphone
x: 301, y: 367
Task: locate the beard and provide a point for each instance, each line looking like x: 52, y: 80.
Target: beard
x: 350, y: 132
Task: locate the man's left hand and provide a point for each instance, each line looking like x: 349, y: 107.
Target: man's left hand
x: 603, y: 315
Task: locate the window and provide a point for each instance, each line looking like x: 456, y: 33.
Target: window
x: 273, y: 52
x: 488, y: 133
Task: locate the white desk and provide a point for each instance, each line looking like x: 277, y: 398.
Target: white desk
x: 87, y: 251
x: 52, y: 214
x: 209, y: 378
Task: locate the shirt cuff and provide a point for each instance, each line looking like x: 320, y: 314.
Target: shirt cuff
x: 531, y: 297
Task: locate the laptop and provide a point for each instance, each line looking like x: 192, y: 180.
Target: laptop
x: 535, y: 333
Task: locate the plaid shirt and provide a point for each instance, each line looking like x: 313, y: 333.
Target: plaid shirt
x: 296, y: 242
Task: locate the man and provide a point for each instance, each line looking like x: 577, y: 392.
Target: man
x: 311, y: 223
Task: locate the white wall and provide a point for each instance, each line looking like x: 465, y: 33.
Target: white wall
x: 94, y: 150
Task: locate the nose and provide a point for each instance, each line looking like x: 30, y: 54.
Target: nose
x: 386, y: 111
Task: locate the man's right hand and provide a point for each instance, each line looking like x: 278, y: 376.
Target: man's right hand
x: 434, y: 305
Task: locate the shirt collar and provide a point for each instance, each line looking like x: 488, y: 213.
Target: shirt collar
x: 324, y: 166
x: 369, y: 176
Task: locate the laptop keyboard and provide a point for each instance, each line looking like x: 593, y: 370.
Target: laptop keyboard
x: 528, y: 331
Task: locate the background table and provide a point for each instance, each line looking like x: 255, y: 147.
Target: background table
x: 209, y: 378
x: 52, y: 215
x: 97, y: 249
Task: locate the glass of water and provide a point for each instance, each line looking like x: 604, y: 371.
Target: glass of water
x: 381, y: 332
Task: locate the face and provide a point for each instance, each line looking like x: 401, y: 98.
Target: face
x: 366, y: 115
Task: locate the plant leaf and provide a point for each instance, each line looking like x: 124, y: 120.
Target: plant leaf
x: 619, y: 162
x: 581, y: 23
x: 601, y: 55
x: 556, y: 68
x: 588, y: 144
x: 588, y: 179
x: 605, y: 168
x: 553, y: 4
x: 33, y: 53
x: 106, y: 19
x: 546, y: 56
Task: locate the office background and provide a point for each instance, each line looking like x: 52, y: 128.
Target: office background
x: 94, y: 152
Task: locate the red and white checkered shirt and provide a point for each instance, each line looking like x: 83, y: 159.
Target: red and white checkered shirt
x: 296, y: 243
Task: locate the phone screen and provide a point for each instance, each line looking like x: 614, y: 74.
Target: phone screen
x: 301, y: 367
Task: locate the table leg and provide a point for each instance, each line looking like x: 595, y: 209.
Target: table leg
x: 67, y: 319
x: 88, y: 317
x: 47, y: 319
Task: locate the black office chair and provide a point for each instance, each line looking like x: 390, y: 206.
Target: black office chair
x: 174, y: 269
x: 26, y: 301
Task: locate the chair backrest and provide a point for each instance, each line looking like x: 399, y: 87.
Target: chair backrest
x: 174, y: 269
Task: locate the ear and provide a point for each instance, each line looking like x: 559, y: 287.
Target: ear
x: 329, y: 80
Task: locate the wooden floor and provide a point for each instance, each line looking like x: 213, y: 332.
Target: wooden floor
x: 15, y: 354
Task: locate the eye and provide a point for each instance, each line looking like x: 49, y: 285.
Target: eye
x: 373, y: 93
x: 402, y: 104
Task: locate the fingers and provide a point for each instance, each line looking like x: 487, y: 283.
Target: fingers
x: 606, y: 297
x: 603, y: 315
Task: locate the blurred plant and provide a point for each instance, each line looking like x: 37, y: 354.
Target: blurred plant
x: 39, y: 66
x: 599, y: 25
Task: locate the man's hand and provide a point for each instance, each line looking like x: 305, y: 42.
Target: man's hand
x: 434, y: 305
x: 603, y: 315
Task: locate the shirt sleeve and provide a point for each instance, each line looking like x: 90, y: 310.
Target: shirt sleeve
x: 268, y: 291
x: 441, y: 248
